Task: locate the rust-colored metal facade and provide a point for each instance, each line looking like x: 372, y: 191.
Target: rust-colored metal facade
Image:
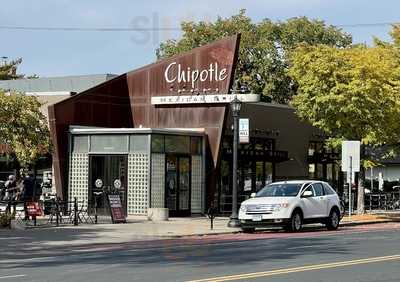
x: 125, y: 101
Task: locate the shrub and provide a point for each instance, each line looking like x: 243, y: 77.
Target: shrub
x: 5, y: 219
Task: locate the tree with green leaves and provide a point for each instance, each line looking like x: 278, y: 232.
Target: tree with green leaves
x: 351, y: 94
x: 265, y: 47
x: 23, y: 127
x: 8, y: 70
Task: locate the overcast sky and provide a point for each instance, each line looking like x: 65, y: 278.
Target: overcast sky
x: 57, y: 53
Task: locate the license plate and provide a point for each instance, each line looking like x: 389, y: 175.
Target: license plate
x: 257, y: 217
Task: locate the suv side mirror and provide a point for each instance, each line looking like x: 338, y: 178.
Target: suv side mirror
x: 307, y: 194
x: 252, y: 195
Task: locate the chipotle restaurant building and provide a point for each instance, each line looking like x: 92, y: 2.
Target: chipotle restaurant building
x: 161, y: 136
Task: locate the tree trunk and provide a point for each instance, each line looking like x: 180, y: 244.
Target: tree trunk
x: 361, y: 181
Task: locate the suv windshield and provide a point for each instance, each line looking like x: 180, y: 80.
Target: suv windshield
x: 280, y: 190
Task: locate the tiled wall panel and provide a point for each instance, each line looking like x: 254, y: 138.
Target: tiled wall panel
x: 78, y: 177
x: 158, y: 180
x: 138, y: 186
x: 197, y: 185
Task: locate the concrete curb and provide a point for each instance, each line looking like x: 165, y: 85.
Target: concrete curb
x: 205, y: 234
x: 367, y: 222
x: 342, y: 224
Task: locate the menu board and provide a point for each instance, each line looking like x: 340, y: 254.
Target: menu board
x: 33, y: 209
x: 116, y: 209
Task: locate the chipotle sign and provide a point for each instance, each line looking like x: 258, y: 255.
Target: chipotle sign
x: 175, y: 72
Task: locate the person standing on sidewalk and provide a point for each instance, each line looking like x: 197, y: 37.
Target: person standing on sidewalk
x: 28, y: 189
x: 28, y: 192
x: 11, y: 188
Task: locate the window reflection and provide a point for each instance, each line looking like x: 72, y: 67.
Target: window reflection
x: 255, y: 161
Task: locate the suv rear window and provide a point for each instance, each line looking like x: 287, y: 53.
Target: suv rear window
x: 328, y: 190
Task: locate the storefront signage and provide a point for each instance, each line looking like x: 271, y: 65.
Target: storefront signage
x: 117, y: 183
x: 33, y: 209
x: 244, y: 130
x: 203, y: 99
x: 98, y: 183
x: 117, y: 212
x: 175, y: 72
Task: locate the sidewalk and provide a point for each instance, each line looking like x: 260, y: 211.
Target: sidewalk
x: 370, y: 218
x: 139, y: 228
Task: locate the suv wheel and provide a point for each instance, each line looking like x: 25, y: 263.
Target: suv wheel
x: 295, y: 222
x: 332, y: 222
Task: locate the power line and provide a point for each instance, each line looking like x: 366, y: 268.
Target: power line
x: 366, y: 24
x: 106, y: 29
x: 130, y: 29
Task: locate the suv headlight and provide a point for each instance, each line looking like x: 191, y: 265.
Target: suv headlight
x: 243, y: 208
x: 281, y: 206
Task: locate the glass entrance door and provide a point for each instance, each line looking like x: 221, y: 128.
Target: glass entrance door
x: 107, y: 174
x: 177, y: 188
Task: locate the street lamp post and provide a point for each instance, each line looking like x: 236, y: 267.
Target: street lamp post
x: 235, y: 107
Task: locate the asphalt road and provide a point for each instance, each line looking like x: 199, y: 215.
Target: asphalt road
x: 366, y: 253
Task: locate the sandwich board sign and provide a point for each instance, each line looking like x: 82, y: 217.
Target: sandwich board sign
x: 116, y: 209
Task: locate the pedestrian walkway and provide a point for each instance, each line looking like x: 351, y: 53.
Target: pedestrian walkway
x: 138, y: 228
x: 371, y: 217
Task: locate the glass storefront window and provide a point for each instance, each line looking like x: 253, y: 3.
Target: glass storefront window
x: 80, y: 144
x: 268, y: 173
x: 138, y: 143
x: 255, y: 169
x: 311, y: 171
x: 157, y: 143
x: 247, y: 174
x: 258, y: 147
x: 245, y: 146
x: 269, y: 144
x: 259, y: 175
x: 108, y: 143
x: 195, y: 146
x: 319, y: 147
x: 320, y: 171
x: 225, y: 200
x: 177, y: 144
x: 329, y: 172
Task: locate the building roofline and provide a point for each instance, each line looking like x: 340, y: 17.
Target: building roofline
x: 79, y: 130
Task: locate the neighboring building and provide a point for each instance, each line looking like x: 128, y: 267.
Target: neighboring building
x: 161, y: 136
x: 48, y: 90
x: 388, y: 172
x: 281, y: 148
x: 73, y: 83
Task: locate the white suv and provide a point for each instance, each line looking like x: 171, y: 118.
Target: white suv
x: 291, y: 204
